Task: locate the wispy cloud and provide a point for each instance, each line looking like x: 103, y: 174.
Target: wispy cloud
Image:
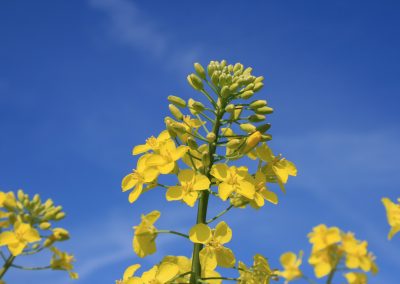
x: 133, y: 27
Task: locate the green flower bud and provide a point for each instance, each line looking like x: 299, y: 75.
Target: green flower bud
x: 48, y: 203
x: 247, y: 94
x: 175, y: 112
x: 223, y: 63
x: 200, y: 70
x: 215, y: 78
x: 266, y: 137
x: 238, y: 67
x: 256, y: 118
x: 44, y: 225
x: 192, y: 143
x: 249, y: 87
x: 236, y: 113
x: 168, y: 123
x: 258, y: 86
x: 195, y: 107
x: 259, y: 79
x: 59, y: 216
x: 247, y: 71
x: 195, y: 82
x: 177, y: 101
x: 258, y: 104
x: 222, y: 80
x: 210, y: 69
x: 36, y: 199
x: 264, y: 127
x: 230, y: 108
x: 205, y: 158
x: 225, y: 91
x: 264, y: 110
x: 233, y: 87
x: 234, y: 143
x: 248, y: 127
x: 20, y: 194
x: 211, y: 137
x: 252, y: 141
x: 178, y: 128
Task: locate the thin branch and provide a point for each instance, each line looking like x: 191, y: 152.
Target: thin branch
x: 172, y: 232
x: 219, y: 214
x: 30, y: 268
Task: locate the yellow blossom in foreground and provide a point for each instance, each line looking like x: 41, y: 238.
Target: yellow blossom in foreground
x: 323, y: 261
x: 142, y: 175
x: 7, y: 199
x: 259, y: 273
x: 262, y: 192
x: 213, y: 253
x: 152, y: 143
x: 17, y: 240
x: 277, y: 167
x: 291, y: 263
x: 321, y: 237
x: 63, y: 261
x: 165, y: 160
x: 188, y: 191
x: 356, y: 278
x: 158, y: 274
x: 233, y: 179
x: 393, y: 216
x: 145, y: 235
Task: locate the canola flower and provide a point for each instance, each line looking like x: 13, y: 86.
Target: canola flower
x: 393, y: 216
x: 27, y: 228
x: 291, y: 263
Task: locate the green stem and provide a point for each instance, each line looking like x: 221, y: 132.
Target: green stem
x: 204, y: 195
x: 219, y: 214
x: 333, y: 271
x: 172, y: 232
x: 222, y: 278
x: 6, y: 265
x: 30, y: 268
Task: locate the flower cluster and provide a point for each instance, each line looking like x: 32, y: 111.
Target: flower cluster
x: 27, y: 228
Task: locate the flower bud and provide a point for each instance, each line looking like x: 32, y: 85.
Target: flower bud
x: 237, y: 67
x: 234, y: 143
x: 225, y: 91
x: 256, y: 118
x: 248, y: 127
x: 195, y: 107
x: 236, y: 113
x: 48, y: 203
x: 59, y: 216
x: 258, y: 86
x: 264, y: 110
x: 200, y: 70
x: 44, y: 225
x: 175, y: 112
x: 222, y: 80
x: 247, y: 94
x: 168, y: 123
x: 249, y: 87
x: 230, y: 108
x: 195, y: 82
x: 20, y: 194
x: 258, y: 104
x: 258, y: 79
x: 233, y: 87
x: 215, y: 78
x: 36, y: 199
x: 179, y: 102
x: 192, y: 143
x: 252, y: 141
x: 211, y: 137
x: 266, y: 137
x: 264, y: 127
x: 205, y: 158
x: 178, y: 127
x: 210, y: 69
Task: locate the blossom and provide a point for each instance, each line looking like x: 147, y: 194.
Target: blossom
x: 17, y: 240
x: 321, y: 237
x: 158, y: 274
x: 165, y: 160
x: 233, y: 179
x: 393, y: 216
x: 323, y: 261
x: 145, y: 235
x: 262, y: 192
x: 63, y: 261
x: 190, y: 185
x: 291, y: 262
x: 152, y: 143
x: 277, y: 167
x: 356, y: 278
x: 142, y: 175
x: 356, y: 253
x: 7, y: 199
x: 213, y: 253
x: 259, y: 273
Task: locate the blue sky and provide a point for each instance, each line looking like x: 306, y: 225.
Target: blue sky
x: 82, y: 82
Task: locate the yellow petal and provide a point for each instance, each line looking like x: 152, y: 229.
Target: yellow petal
x: 174, y: 193
x: 225, y: 257
x: 16, y: 248
x: 393, y: 231
x: 223, y: 233
x: 155, y: 160
x: 190, y: 198
x: 220, y: 171
x: 144, y: 245
x: 246, y: 189
x: 270, y: 196
x: 208, y: 259
x: 152, y: 217
x: 135, y: 193
x: 224, y: 190
x: 167, y: 168
x: 201, y: 183
x: 150, y: 174
x: 128, y: 182
x: 180, y: 151
x: 322, y: 269
x: 167, y: 271
x: 7, y: 238
x: 200, y: 233
x: 130, y: 271
x: 139, y: 149
x: 31, y: 235
x: 150, y: 275
x: 288, y: 259
x: 186, y: 176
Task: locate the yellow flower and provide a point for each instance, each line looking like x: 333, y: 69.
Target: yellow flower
x: 7, y: 199
x: 184, y: 264
x: 192, y: 158
x: 142, y: 175
x: 277, y: 167
x: 291, y: 262
x: 233, y: 180
x: 213, y: 253
x: 356, y: 253
x: 158, y: 274
x: 165, y: 160
x: 322, y: 261
x: 393, y: 216
x: 17, y: 240
x: 259, y: 273
x: 262, y: 192
x: 145, y: 235
x: 188, y: 191
x: 321, y: 237
x: 152, y: 143
x: 356, y: 278
x: 63, y: 261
